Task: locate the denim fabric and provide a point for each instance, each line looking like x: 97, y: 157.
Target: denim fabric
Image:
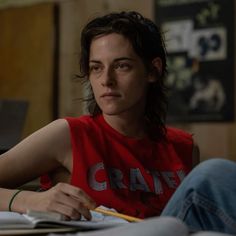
x: 206, y: 199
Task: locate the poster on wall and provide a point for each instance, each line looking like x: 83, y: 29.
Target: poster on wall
x: 199, y: 36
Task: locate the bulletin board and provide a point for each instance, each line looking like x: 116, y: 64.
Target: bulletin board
x: 199, y: 36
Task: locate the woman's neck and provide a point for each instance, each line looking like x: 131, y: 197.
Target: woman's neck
x: 134, y: 127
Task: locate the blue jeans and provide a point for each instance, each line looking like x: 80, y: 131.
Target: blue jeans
x: 206, y: 199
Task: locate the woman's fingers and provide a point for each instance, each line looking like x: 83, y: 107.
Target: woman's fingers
x: 72, y: 201
x: 72, y: 207
x: 65, y: 210
x: 78, y: 194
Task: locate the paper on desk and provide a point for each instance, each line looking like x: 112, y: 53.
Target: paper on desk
x: 96, y: 216
x: 12, y: 220
x: 154, y: 226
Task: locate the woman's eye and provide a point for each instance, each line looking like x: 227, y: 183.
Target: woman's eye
x: 123, y: 66
x: 95, y: 69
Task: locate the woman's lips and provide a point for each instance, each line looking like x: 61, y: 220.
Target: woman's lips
x: 110, y: 95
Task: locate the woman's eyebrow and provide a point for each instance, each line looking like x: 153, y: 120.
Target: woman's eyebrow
x: 115, y: 60
x: 124, y: 58
x: 94, y: 61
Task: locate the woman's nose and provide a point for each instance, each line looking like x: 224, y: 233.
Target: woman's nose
x: 109, y: 78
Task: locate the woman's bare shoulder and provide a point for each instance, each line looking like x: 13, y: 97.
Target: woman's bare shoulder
x: 43, y: 151
x: 56, y: 138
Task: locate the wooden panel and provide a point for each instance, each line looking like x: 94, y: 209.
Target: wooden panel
x: 27, y: 60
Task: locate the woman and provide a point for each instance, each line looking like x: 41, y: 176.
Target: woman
x: 112, y: 155
x: 122, y: 155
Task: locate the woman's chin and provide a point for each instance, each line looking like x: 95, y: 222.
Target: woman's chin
x: 111, y: 111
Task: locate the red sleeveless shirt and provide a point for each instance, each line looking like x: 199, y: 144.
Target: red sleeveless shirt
x: 135, y: 176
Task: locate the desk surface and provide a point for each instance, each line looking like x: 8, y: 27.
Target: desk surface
x: 38, y: 231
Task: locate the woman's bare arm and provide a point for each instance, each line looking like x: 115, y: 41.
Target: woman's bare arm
x: 46, y: 150
x: 41, y: 152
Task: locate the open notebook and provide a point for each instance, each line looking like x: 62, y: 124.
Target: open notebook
x: 13, y: 220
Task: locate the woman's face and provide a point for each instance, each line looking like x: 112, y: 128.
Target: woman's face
x: 117, y: 75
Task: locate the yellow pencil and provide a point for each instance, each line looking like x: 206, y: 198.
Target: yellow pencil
x: 116, y: 214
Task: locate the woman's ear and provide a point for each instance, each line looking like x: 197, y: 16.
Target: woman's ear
x: 157, y: 63
x: 157, y: 69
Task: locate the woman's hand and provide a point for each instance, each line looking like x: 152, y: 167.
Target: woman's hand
x: 63, y: 198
